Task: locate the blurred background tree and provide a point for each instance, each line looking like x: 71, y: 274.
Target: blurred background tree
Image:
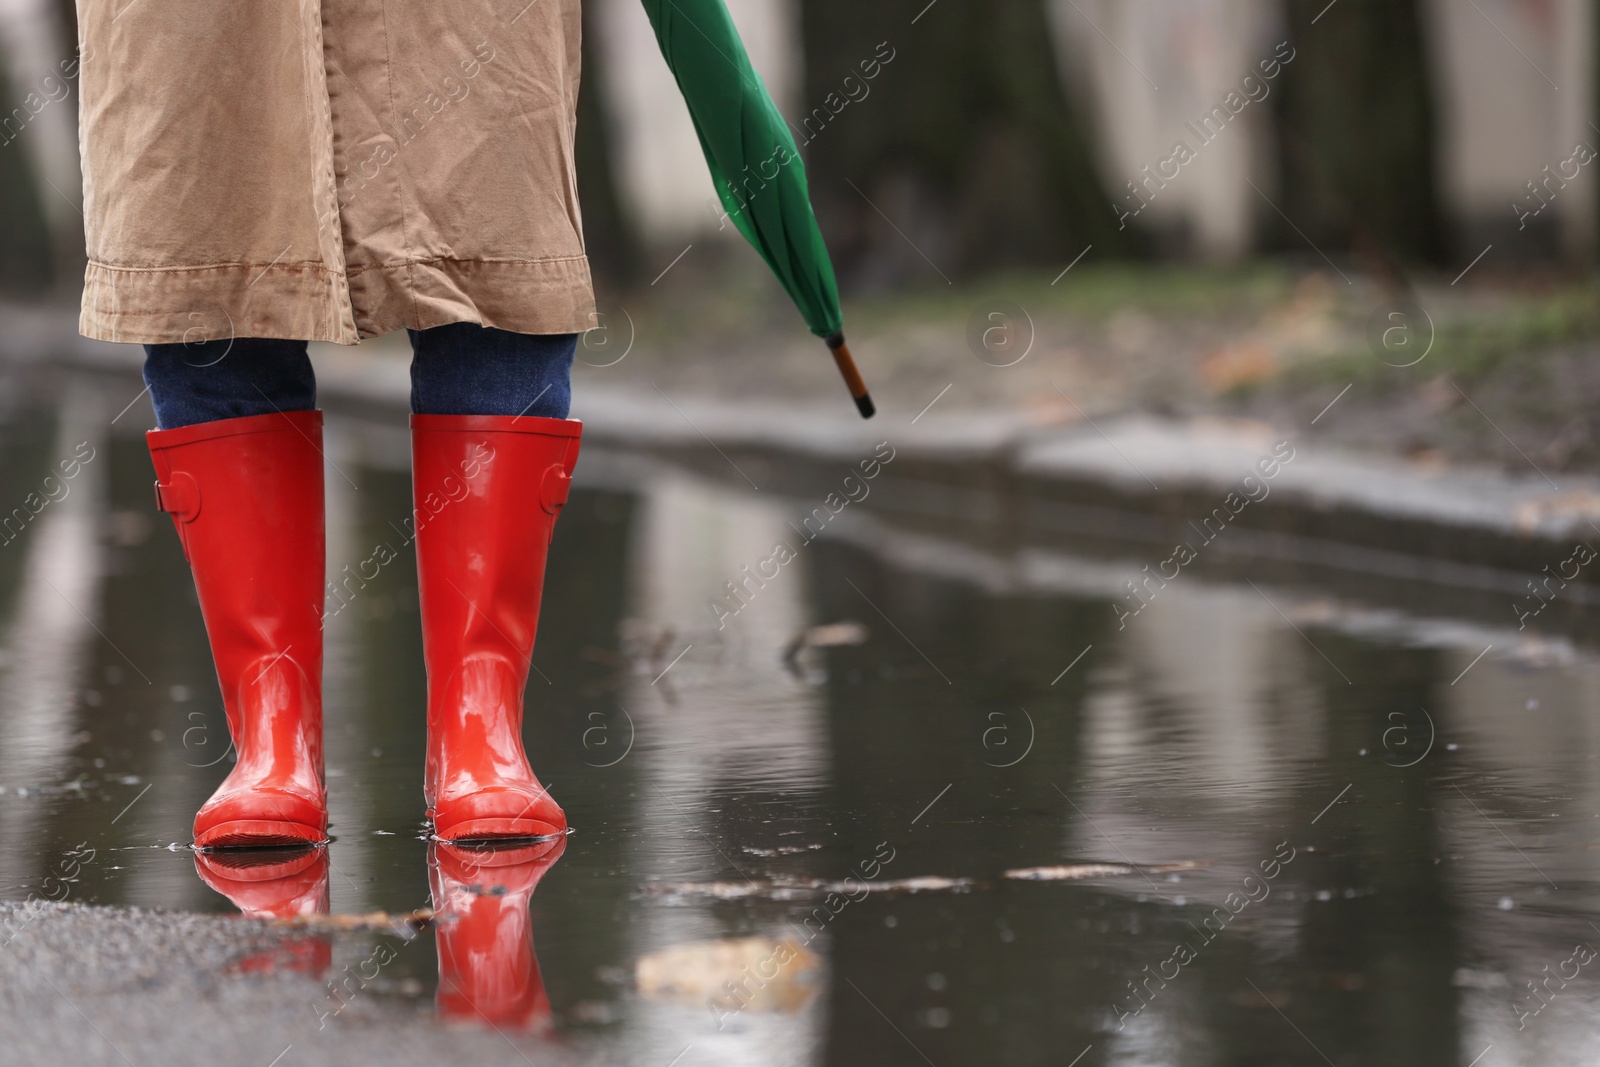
x: 1357, y: 133
x: 26, y: 256
x: 967, y: 142
x: 609, y: 231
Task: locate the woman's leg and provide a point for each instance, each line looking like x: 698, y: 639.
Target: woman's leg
x: 238, y: 464
x: 213, y: 380
x: 467, y: 369
x: 492, y: 457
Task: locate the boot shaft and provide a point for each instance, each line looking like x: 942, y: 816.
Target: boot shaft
x: 246, y: 498
x: 486, y: 491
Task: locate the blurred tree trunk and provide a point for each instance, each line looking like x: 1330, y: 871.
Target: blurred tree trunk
x: 1356, y: 125
x: 26, y: 251
x: 608, y: 233
x: 71, y: 248
x: 963, y: 139
x: 67, y: 18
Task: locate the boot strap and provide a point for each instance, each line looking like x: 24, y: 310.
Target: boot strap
x: 180, y: 497
x: 553, y: 491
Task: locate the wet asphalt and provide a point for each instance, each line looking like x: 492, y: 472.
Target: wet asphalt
x: 114, y: 986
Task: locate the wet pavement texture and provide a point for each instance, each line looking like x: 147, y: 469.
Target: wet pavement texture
x: 872, y: 798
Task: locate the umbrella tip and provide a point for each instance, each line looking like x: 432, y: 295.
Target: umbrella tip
x: 852, y: 376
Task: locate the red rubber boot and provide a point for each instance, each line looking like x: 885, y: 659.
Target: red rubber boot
x: 488, y: 972
x: 487, y: 489
x: 246, y: 498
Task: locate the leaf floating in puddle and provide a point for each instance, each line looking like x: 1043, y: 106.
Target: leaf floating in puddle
x: 789, y: 888
x: 702, y: 972
x: 855, y: 888
x: 403, y: 923
x: 781, y: 850
x: 1078, y: 872
x: 829, y: 635
x: 719, y: 890
x: 928, y: 883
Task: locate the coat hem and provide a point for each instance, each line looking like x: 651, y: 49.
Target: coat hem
x: 549, y: 295
x: 305, y: 301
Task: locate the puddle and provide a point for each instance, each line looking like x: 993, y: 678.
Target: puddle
x: 855, y: 888
x: 1259, y: 821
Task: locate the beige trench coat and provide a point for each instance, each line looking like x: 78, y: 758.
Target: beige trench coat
x: 329, y: 169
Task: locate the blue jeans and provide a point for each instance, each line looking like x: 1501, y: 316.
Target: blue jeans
x: 458, y: 369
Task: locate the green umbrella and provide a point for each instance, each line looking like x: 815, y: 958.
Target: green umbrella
x: 754, y: 163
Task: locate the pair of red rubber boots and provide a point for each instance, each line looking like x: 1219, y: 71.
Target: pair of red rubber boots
x: 246, y: 496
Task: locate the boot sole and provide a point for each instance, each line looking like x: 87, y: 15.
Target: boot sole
x: 259, y: 833
x: 496, y: 829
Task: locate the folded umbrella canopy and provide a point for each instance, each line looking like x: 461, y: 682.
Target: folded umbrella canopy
x: 754, y: 163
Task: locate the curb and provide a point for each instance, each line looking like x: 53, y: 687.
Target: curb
x: 1128, y: 488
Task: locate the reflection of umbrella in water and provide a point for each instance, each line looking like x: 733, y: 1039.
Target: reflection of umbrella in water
x: 754, y: 164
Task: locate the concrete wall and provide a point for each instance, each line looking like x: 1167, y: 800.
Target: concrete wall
x: 1516, y: 93
x: 1148, y: 69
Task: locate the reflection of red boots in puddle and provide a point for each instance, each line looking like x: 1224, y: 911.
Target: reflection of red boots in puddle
x: 487, y: 970
x: 275, y: 884
x: 488, y: 973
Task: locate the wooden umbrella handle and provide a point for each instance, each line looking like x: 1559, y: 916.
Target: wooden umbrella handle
x: 852, y: 376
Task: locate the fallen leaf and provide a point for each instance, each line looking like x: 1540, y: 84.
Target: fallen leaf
x: 754, y: 973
